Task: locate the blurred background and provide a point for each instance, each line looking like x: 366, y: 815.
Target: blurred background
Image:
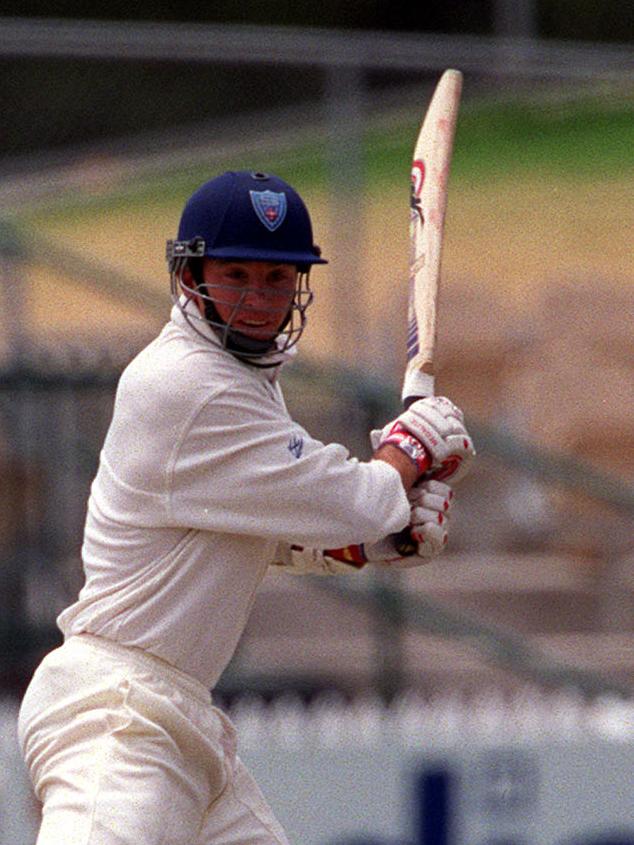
x: 520, y: 636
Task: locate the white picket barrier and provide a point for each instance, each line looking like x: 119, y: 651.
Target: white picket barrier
x: 536, y: 770
x: 18, y: 810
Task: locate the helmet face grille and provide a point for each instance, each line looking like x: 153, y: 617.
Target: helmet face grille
x: 249, y: 348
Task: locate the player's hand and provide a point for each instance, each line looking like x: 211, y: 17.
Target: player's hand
x: 428, y: 532
x: 424, y: 538
x: 431, y: 503
x: 431, y: 430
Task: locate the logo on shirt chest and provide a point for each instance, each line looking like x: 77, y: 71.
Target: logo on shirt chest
x: 296, y: 445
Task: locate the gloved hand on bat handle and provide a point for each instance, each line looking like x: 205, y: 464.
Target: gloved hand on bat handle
x: 433, y: 434
x: 426, y: 535
x: 424, y: 538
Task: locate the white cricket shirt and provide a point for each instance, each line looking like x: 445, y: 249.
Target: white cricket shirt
x: 203, y: 481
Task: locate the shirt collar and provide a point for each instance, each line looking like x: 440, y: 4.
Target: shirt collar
x: 273, y: 361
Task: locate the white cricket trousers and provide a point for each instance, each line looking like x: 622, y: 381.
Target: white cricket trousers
x: 124, y: 749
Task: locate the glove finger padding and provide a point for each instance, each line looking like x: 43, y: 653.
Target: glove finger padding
x: 429, y: 525
x: 432, y: 539
x: 420, y: 516
x: 430, y: 503
x: 433, y: 494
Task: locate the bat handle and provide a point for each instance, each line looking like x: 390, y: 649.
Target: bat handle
x: 404, y: 543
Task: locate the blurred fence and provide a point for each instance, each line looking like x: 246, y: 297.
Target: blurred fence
x: 54, y: 412
x: 53, y: 417
x: 532, y: 57
x: 544, y: 771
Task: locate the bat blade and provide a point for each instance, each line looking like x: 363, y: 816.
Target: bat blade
x: 429, y: 181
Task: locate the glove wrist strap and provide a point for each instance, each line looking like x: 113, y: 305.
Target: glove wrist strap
x: 404, y: 440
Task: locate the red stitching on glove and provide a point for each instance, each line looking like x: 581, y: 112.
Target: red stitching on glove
x: 449, y: 467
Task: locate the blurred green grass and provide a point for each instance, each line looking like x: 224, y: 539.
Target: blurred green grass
x: 584, y: 139
x: 507, y: 141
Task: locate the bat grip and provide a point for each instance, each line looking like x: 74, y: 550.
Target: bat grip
x: 404, y: 543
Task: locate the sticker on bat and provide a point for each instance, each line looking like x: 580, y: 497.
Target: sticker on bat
x: 417, y: 180
x: 417, y: 264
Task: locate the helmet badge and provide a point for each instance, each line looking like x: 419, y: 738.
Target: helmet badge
x: 270, y: 207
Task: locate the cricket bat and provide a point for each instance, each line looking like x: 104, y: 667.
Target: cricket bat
x: 428, y: 203
x: 429, y: 181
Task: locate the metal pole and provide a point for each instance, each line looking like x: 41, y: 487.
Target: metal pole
x: 344, y: 100
x: 515, y: 24
x: 515, y: 18
x: 389, y: 623
x: 12, y: 285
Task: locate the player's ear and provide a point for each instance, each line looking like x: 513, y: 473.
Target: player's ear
x: 188, y: 278
x: 190, y: 283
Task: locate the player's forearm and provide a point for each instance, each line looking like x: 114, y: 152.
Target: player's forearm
x: 428, y: 534
x: 403, y: 464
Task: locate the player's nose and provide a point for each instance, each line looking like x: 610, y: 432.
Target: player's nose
x: 259, y: 290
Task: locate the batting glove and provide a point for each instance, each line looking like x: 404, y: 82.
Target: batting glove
x: 433, y: 434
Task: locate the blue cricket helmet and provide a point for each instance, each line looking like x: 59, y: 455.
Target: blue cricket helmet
x: 249, y: 216
x: 243, y: 216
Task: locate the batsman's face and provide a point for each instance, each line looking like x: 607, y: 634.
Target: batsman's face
x: 253, y: 297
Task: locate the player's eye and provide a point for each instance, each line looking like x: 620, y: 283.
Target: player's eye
x: 281, y: 277
x: 237, y: 275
